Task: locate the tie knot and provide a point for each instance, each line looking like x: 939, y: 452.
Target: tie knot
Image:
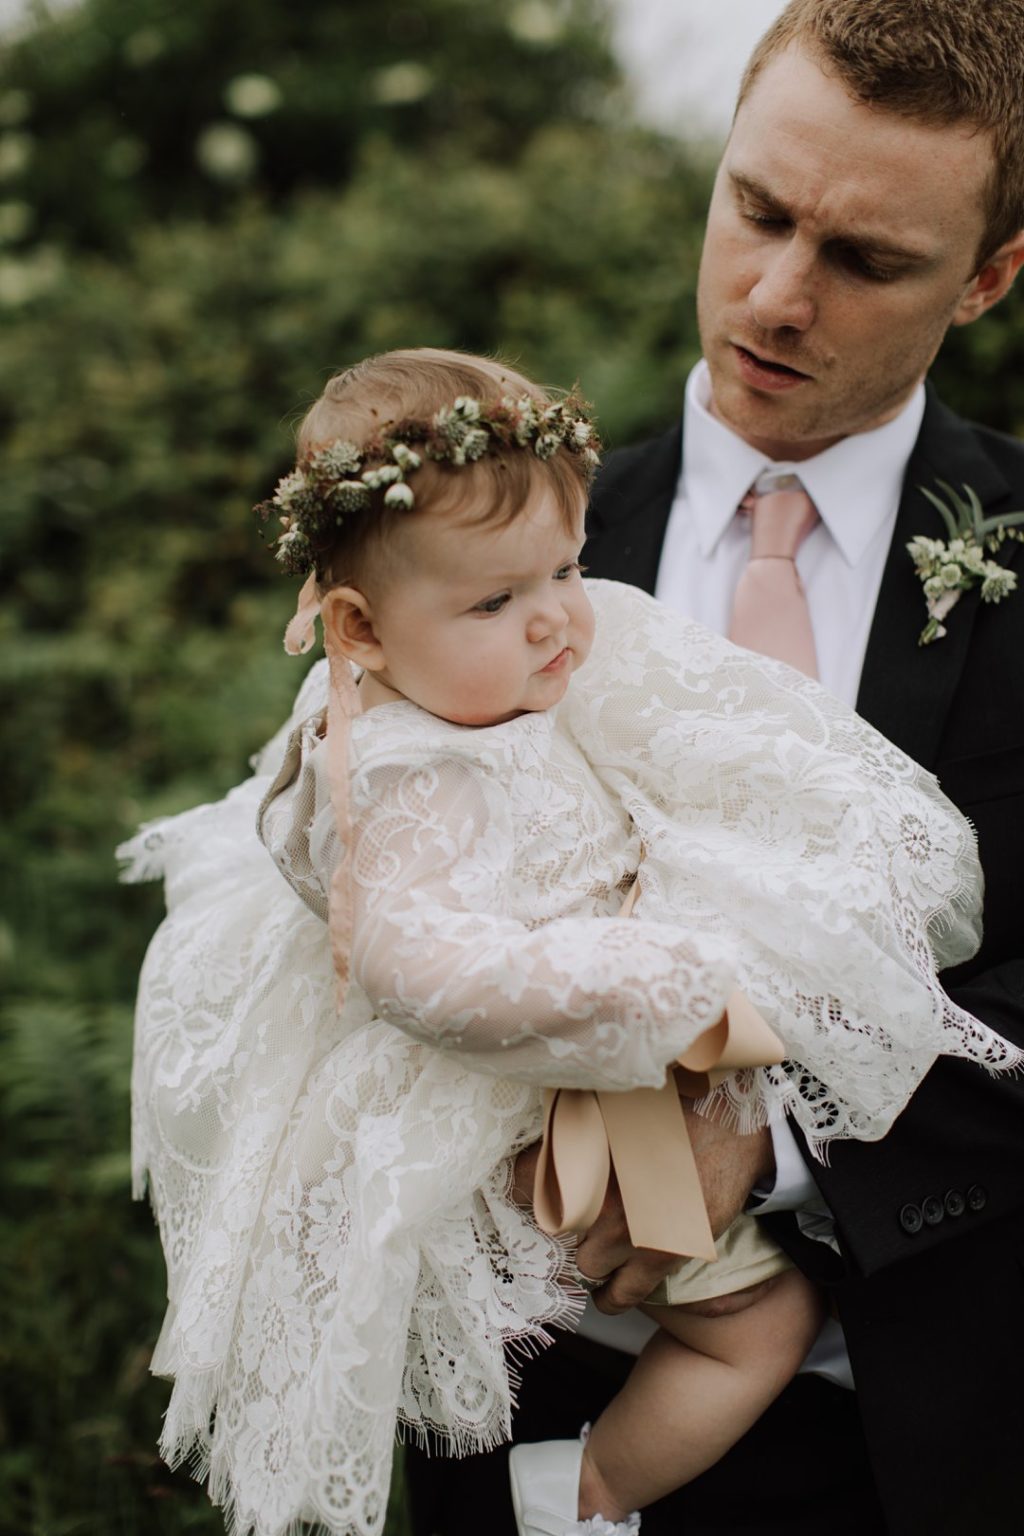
x: 780, y: 521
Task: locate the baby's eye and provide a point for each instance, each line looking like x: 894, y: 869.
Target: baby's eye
x: 565, y: 571
x: 492, y: 604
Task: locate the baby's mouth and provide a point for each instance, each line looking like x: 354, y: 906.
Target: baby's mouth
x: 557, y: 661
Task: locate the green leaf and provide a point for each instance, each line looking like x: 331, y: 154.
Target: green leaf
x: 960, y: 506
x: 943, y: 510
x: 993, y: 524
x: 975, y: 511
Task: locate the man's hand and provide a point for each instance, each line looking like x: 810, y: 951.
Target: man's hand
x: 606, y: 1253
x: 606, y: 1249
x: 729, y: 1166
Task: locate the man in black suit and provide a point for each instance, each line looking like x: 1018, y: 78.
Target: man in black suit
x: 870, y: 196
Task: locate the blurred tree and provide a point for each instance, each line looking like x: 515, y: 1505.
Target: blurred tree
x: 124, y: 110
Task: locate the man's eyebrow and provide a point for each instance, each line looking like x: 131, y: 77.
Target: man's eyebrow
x: 875, y: 245
x: 756, y: 189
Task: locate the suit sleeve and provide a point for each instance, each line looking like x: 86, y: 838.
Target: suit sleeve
x: 956, y: 1153
x: 954, y: 1160
x: 953, y: 1163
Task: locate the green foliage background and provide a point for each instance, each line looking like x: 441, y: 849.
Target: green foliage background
x: 206, y: 208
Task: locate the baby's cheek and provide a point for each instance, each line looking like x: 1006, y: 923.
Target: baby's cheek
x: 482, y: 698
x: 586, y: 626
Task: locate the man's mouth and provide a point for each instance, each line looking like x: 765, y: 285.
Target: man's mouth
x: 764, y: 372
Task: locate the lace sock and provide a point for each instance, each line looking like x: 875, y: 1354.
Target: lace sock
x: 597, y: 1525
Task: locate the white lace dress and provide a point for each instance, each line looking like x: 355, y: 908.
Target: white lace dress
x: 332, y: 1189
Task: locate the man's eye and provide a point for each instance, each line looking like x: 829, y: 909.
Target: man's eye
x: 877, y: 274
x: 492, y: 604
x: 863, y: 266
x: 765, y: 220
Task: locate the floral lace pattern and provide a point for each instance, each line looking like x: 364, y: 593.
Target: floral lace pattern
x: 779, y: 822
x: 332, y: 1190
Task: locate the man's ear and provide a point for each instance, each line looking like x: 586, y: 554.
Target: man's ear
x: 346, y: 613
x: 992, y: 281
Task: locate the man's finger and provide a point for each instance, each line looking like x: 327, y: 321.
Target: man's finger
x: 634, y: 1280
x: 625, y: 1289
x: 597, y: 1257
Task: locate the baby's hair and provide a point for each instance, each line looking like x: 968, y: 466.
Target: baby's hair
x: 359, y: 404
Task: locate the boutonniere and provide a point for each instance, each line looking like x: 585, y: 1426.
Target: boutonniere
x: 950, y: 566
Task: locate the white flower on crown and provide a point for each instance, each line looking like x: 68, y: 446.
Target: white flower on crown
x: 288, y: 486
x: 405, y: 457
x: 340, y: 458
x: 384, y: 474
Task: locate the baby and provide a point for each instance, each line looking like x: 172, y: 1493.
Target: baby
x: 333, y: 1187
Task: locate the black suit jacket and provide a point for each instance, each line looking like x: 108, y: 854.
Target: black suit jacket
x: 930, y: 1283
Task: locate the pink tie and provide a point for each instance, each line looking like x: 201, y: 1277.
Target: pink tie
x: 769, y: 612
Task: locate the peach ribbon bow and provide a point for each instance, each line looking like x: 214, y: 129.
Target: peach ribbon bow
x: 642, y: 1135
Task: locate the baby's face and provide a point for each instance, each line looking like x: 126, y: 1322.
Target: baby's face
x: 486, y: 623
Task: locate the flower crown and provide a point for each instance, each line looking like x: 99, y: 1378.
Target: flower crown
x: 342, y: 480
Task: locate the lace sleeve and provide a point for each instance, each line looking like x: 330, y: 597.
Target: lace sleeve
x: 777, y: 819
x: 726, y: 739
x: 578, y: 1001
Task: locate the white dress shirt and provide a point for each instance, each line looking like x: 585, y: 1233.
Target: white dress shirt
x: 856, y: 487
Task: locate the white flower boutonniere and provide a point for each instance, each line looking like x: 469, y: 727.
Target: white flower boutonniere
x: 950, y: 566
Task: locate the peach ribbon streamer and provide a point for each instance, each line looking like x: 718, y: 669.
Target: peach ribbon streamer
x: 301, y: 633
x: 642, y: 1135
x: 343, y: 704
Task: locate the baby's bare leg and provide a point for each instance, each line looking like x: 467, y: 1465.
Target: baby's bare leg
x: 699, y: 1385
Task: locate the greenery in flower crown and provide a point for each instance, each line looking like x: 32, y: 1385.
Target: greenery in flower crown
x: 954, y: 565
x: 343, y: 479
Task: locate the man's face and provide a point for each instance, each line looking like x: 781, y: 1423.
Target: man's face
x: 841, y: 244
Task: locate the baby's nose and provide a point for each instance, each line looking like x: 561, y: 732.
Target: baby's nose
x: 548, y: 618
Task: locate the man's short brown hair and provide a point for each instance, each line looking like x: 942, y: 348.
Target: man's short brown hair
x: 939, y: 62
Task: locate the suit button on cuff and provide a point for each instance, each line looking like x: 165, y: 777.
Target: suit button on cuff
x: 911, y: 1219
x: 955, y: 1203
x: 977, y: 1197
x: 933, y: 1210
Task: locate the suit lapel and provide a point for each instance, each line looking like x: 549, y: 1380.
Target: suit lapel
x: 906, y: 689
x: 632, y: 511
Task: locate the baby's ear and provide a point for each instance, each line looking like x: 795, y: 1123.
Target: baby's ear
x: 347, y: 617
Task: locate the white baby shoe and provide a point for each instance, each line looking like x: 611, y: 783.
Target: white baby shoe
x: 546, y: 1488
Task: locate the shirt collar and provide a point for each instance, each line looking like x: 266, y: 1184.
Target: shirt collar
x: 855, y: 485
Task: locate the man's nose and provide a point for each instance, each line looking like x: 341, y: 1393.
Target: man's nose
x: 548, y: 618
x: 783, y: 295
